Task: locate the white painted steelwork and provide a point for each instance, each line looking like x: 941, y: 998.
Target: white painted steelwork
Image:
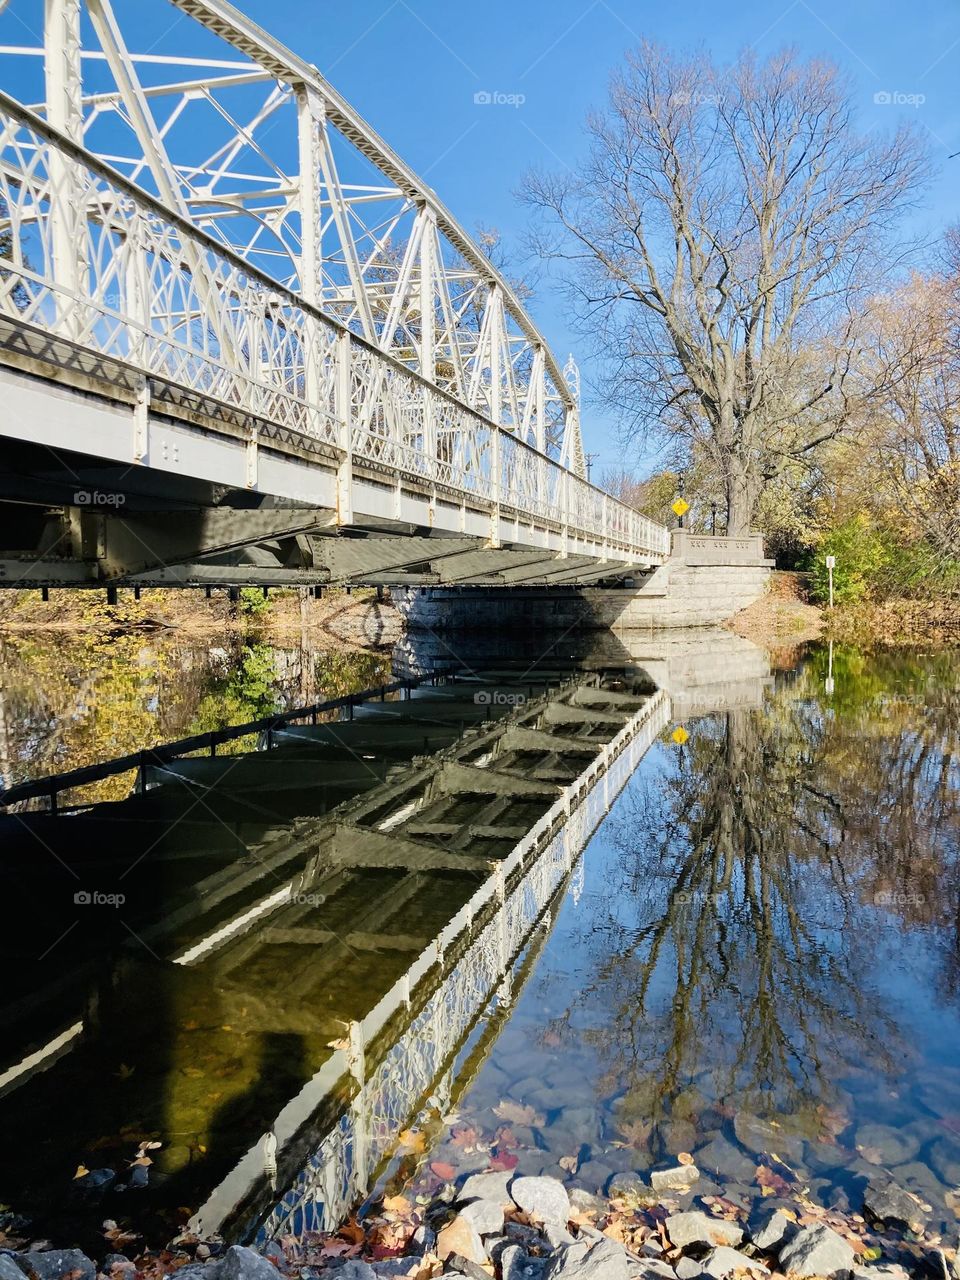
x: 301, y: 273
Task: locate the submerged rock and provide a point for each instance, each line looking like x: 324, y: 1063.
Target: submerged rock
x: 884, y: 1145
x: 697, y: 1227
x: 759, y: 1135
x: 631, y: 1187
x: 485, y: 1216
x: 721, y: 1157
x: 676, y: 1179
x: 887, y: 1202
x: 544, y: 1199
x: 816, y: 1251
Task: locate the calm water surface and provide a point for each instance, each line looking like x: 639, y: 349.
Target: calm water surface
x: 765, y: 927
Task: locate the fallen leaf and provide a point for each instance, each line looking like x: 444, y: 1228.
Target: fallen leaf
x: 685, y: 1157
x: 570, y: 1163
x: 503, y: 1162
x: 413, y: 1140
x: 82, y: 1171
x: 443, y: 1170
x: 517, y: 1113
x: 398, y: 1205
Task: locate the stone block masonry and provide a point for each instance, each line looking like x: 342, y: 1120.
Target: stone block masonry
x: 705, y: 581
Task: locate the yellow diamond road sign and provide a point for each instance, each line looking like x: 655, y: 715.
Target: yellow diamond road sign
x: 680, y: 735
x: 680, y: 508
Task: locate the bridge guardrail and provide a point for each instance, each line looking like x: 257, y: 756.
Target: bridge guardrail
x: 88, y: 256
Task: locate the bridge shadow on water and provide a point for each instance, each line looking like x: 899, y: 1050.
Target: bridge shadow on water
x: 270, y: 963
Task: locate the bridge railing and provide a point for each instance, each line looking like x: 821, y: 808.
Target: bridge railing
x: 89, y: 257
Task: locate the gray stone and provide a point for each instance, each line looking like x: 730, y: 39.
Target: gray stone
x: 354, y: 1270
x: 944, y: 1156
x: 630, y: 1186
x: 9, y: 1269
x: 585, y: 1202
x: 517, y: 1265
x: 387, y: 1269
x: 887, y: 1202
x: 484, y: 1216
x: 816, y: 1251
x: 881, y: 1144
x: 591, y: 1260
x: 675, y: 1179
x: 544, y: 1199
x: 687, y: 1269
x: 759, y: 1135
x: 886, y: 1271
x: 464, y: 1267
x: 557, y: 1235
x: 721, y: 1157
x: 56, y: 1264
x: 241, y: 1263
x: 487, y: 1186
x: 695, y: 1227
x: 724, y: 1261
x: 769, y: 1230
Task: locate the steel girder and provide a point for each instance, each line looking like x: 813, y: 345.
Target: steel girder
x: 303, y: 188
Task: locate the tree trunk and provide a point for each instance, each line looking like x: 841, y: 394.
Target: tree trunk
x: 741, y: 492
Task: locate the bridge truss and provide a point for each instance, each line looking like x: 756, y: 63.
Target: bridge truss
x: 220, y: 235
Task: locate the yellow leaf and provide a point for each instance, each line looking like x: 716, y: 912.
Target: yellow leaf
x: 82, y: 1171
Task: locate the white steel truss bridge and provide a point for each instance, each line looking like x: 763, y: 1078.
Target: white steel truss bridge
x: 242, y: 342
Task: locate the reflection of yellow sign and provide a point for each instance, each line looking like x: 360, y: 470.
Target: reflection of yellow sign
x: 680, y: 508
x: 680, y: 735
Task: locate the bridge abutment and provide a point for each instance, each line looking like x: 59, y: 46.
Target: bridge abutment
x: 705, y: 581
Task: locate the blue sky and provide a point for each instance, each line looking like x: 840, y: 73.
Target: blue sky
x: 412, y: 67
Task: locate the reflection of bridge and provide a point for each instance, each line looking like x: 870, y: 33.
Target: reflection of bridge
x: 224, y: 298
x: 336, y: 898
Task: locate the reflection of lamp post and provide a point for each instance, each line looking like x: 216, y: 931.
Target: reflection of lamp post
x: 828, y: 683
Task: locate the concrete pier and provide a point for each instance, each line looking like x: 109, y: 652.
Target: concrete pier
x: 705, y: 581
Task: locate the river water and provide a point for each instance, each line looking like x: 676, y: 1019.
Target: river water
x: 751, y: 942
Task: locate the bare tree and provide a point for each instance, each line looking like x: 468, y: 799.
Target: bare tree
x: 725, y: 233
x: 916, y: 422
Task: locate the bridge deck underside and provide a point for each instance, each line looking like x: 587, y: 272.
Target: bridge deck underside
x: 97, y: 490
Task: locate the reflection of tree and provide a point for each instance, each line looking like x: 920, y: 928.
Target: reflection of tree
x: 748, y: 881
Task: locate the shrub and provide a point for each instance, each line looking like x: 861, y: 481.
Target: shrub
x: 861, y: 553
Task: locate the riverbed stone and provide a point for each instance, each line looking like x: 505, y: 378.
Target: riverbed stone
x: 887, y: 1202
x: 769, y: 1228
x: 688, y: 1269
x: 724, y: 1261
x: 882, y: 1144
x: 460, y: 1237
x: 355, y: 1270
x: 241, y: 1263
x: 696, y: 1227
x: 582, y: 1201
x: 721, y: 1157
x: 485, y: 1216
x: 816, y: 1251
x: 517, y: 1265
x: 944, y: 1157
x: 464, y: 1267
x: 591, y: 1260
x: 544, y: 1199
x: 679, y: 1178
x: 631, y: 1187
x: 759, y: 1135
x: 57, y: 1264
x: 9, y: 1269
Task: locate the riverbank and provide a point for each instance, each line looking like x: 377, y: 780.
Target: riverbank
x: 358, y: 620
x: 680, y: 1224
x: 786, y: 617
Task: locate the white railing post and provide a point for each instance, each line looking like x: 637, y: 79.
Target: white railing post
x: 344, y: 413
x: 64, y: 99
